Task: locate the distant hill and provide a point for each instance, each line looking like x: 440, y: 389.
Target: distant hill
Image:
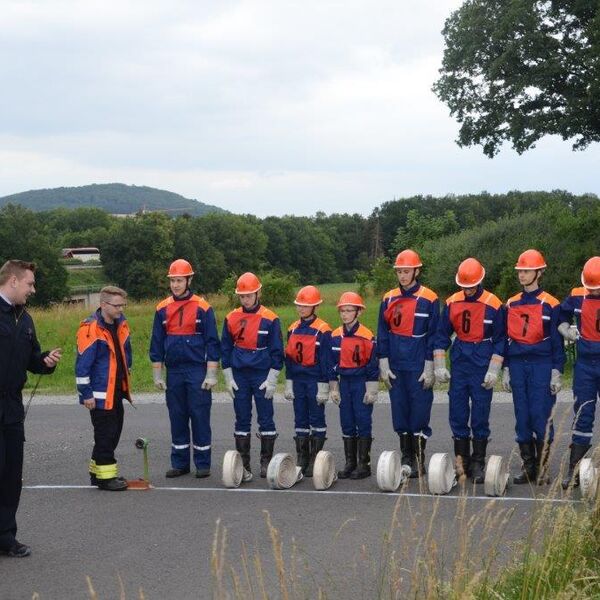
x: 115, y: 198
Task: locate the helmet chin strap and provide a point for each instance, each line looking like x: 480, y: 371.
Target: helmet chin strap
x: 535, y: 278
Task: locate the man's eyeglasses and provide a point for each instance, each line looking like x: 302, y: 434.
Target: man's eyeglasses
x: 115, y: 305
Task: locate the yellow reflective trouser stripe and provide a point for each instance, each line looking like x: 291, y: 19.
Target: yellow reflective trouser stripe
x: 107, y: 471
x: 92, y: 467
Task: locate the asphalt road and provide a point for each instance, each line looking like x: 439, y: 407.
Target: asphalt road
x: 161, y: 541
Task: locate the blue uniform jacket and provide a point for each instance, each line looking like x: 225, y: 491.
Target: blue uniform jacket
x: 307, y: 350
x: 408, y: 320
x: 586, y: 309
x: 532, y: 329
x: 96, y: 362
x: 479, y: 324
x: 252, y: 339
x: 184, y: 332
x: 353, y: 353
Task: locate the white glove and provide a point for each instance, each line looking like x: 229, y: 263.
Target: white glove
x: 427, y: 376
x: 334, y: 392
x: 571, y: 334
x: 230, y: 383
x: 288, y: 393
x: 442, y: 375
x: 211, y: 378
x: 157, y: 377
x: 556, y: 381
x: 491, y: 377
x: 371, y: 393
x: 322, y: 392
x: 385, y: 373
x: 506, y: 380
x: 270, y: 384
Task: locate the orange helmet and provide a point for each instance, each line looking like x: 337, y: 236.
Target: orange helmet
x: 530, y: 260
x: 308, y: 296
x: 470, y: 273
x: 590, y: 276
x: 180, y: 268
x: 248, y: 283
x: 407, y: 259
x: 351, y: 299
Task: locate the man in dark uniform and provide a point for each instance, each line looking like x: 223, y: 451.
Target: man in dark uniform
x: 19, y: 352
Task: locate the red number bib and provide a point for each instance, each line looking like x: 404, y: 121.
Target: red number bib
x: 590, y: 320
x: 181, y: 318
x: 243, y: 328
x: 525, y: 324
x: 467, y: 320
x: 400, y: 316
x: 355, y: 352
x: 302, y: 349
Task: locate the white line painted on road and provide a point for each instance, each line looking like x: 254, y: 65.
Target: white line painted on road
x: 321, y: 493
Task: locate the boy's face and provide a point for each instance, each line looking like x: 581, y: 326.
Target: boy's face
x: 248, y: 300
x: 594, y: 293
x: 349, y: 314
x: 405, y: 276
x: 178, y: 285
x: 469, y: 291
x: 304, y: 312
x: 526, y: 276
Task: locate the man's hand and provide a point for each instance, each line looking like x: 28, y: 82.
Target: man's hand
x: 442, y: 375
x: 427, y: 376
x: 334, y: 392
x: 270, y: 384
x: 157, y: 376
x: 90, y: 403
x: 230, y: 384
x: 288, y: 393
x: 52, y: 358
x: 211, y: 377
x: 385, y: 373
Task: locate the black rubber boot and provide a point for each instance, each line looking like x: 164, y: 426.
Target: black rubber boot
x: 407, y: 450
x: 363, y: 468
x: 528, y: 469
x: 418, y: 466
x: 478, y: 461
x: 542, y: 454
x: 302, y: 452
x: 267, y: 443
x: 112, y: 485
x: 316, y: 445
x: 462, y: 451
x: 350, y: 445
x: 577, y: 453
x: 242, y: 445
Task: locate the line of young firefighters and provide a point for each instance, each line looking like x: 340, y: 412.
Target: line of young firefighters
x: 520, y: 341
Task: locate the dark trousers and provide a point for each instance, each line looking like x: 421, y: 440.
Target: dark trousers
x: 108, y: 425
x: 12, y: 438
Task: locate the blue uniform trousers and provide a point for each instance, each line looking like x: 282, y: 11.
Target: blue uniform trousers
x: 187, y: 402
x: 248, y: 382
x: 469, y: 402
x: 309, y: 415
x: 533, y: 402
x: 586, y: 387
x: 356, y: 417
x: 411, y: 404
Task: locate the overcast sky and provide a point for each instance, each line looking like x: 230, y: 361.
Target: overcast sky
x: 265, y: 107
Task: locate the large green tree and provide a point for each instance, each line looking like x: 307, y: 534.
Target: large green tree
x: 517, y: 70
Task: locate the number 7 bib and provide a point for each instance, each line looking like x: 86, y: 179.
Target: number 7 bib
x: 525, y: 323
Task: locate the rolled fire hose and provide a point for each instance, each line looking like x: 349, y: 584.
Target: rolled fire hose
x: 588, y: 478
x: 324, y: 473
x: 496, y: 476
x: 282, y: 472
x: 233, y: 469
x: 441, y: 476
x: 391, y: 474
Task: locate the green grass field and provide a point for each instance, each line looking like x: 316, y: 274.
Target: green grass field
x: 58, y: 327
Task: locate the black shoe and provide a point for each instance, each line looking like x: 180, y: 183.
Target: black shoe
x: 94, y: 480
x: 302, y: 452
x: 17, y: 550
x: 478, y: 461
x: 462, y: 452
x: 577, y: 453
x: 171, y: 473
x: 202, y: 473
x: 528, y: 470
x: 407, y: 450
x: 316, y: 445
x: 267, y: 443
x: 418, y: 469
x: 112, y: 485
x: 363, y: 468
x: 350, y: 445
x: 242, y: 445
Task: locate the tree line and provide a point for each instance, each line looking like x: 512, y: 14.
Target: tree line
x: 323, y: 248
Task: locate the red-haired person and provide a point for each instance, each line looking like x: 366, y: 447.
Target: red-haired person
x: 307, y: 376
x: 354, y: 384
